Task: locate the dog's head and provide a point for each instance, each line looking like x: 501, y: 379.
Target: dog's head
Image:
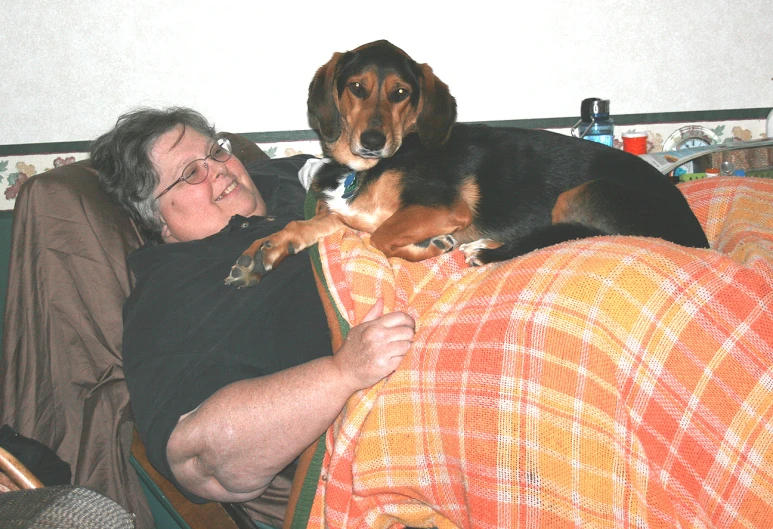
x: 363, y: 102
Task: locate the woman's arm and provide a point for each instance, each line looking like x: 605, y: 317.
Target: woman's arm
x: 232, y: 446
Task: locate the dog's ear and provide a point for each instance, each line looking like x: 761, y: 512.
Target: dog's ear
x: 322, y: 104
x: 437, y: 109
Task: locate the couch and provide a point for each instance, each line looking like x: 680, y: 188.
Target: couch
x: 608, y: 381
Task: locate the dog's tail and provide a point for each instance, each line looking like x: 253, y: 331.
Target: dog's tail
x: 540, y: 238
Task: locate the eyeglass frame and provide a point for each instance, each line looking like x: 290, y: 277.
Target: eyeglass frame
x: 221, y: 143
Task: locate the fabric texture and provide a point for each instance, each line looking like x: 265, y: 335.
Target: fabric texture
x: 62, y: 507
x: 62, y: 376
x: 604, y: 382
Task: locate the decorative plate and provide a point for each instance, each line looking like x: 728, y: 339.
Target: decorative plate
x: 690, y: 136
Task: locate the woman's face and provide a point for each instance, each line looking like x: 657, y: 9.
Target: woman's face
x: 191, y: 212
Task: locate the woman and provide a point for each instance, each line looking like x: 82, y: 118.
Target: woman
x: 227, y: 386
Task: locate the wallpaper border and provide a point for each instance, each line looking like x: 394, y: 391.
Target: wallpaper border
x: 541, y: 123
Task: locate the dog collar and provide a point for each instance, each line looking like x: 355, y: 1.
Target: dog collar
x: 350, y: 185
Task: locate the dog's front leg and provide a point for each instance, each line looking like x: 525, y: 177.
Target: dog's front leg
x: 265, y: 254
x: 415, y: 233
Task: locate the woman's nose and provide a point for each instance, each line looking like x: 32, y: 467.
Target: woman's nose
x: 216, y: 169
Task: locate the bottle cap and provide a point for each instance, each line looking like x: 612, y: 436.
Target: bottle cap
x: 713, y: 171
x: 594, y: 107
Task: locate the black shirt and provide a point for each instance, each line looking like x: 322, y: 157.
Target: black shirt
x: 187, y: 334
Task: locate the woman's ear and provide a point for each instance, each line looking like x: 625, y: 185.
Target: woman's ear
x: 166, y: 235
x: 437, y: 109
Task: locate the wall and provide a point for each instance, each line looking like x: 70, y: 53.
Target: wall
x: 70, y: 67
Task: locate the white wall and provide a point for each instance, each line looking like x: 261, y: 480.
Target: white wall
x: 69, y: 68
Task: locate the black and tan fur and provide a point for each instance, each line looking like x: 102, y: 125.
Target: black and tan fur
x: 424, y: 185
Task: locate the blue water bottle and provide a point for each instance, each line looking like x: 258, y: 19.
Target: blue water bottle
x: 595, y: 123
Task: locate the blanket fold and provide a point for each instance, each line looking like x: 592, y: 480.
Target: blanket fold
x: 606, y: 382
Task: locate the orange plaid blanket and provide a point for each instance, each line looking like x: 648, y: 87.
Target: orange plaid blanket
x: 606, y: 382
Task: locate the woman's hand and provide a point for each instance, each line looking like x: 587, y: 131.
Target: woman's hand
x: 375, y: 347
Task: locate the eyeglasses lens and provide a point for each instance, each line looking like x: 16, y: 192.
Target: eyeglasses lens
x: 221, y: 151
x: 196, y: 171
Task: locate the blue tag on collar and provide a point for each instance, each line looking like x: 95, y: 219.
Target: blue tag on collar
x: 350, y: 185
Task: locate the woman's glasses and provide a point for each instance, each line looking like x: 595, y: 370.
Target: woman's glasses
x: 198, y: 170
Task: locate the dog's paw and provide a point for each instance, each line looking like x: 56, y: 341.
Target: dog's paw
x: 243, y: 273
x: 258, y: 260
x: 471, y: 250
x: 446, y: 243
x: 443, y: 243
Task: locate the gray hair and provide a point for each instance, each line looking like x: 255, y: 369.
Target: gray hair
x: 122, y: 158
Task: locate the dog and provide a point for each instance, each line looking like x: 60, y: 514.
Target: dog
x: 421, y: 184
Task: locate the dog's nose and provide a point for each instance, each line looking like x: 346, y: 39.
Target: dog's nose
x: 373, y: 140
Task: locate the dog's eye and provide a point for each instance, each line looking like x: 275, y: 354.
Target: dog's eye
x: 399, y: 95
x: 357, y: 89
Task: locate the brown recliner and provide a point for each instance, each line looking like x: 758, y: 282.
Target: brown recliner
x: 61, y: 372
